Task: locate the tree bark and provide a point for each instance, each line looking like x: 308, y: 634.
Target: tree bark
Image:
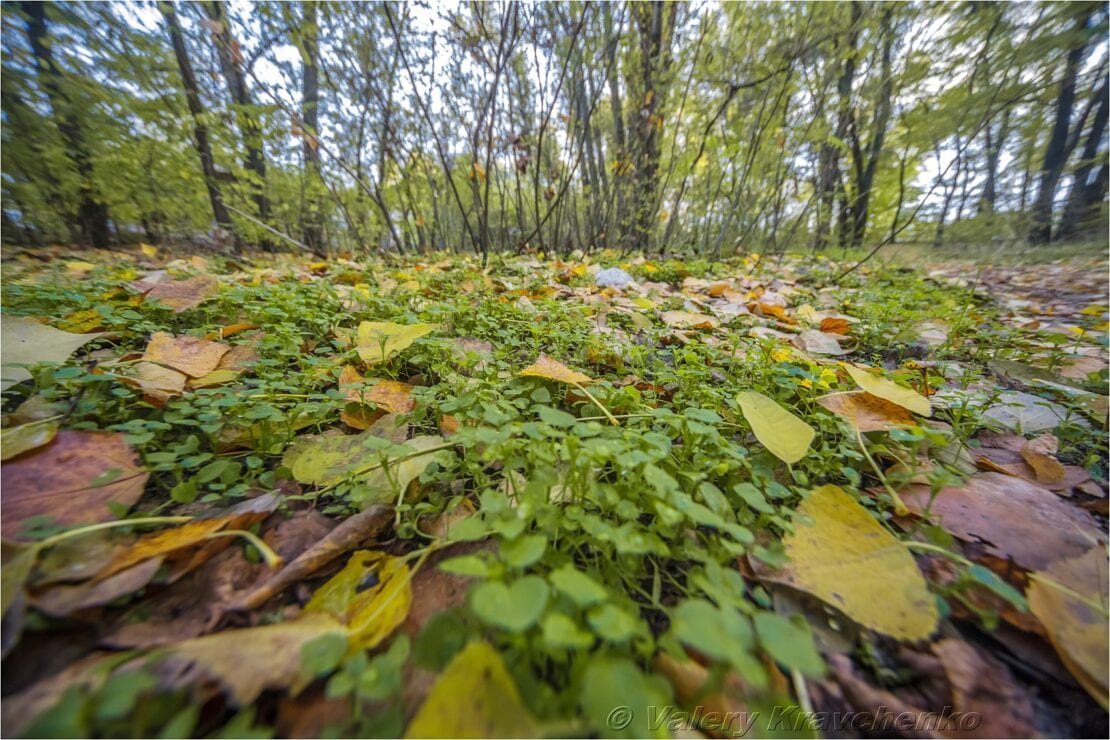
x: 1087, y: 193
x: 231, y: 68
x: 91, y: 219
x: 312, y: 230
x: 196, y: 109
x: 1056, y: 153
x: 867, y: 161
x: 655, y: 27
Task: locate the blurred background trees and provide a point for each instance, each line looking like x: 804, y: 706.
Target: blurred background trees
x: 655, y: 127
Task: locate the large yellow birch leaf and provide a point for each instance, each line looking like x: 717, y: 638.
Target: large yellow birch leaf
x: 546, y: 367
x: 848, y: 560
x: 380, y: 340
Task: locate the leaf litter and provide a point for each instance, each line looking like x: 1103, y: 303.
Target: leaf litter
x: 592, y: 496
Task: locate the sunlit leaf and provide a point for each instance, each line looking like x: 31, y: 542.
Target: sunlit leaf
x: 905, y: 397
x: 380, y: 340
x: 786, y: 436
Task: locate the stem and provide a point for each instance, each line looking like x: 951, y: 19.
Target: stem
x: 55, y: 539
x: 900, y: 507
x: 272, y: 558
x: 612, y: 419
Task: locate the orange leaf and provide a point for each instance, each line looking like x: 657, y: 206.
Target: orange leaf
x: 229, y: 330
x: 192, y: 356
x: 833, y: 325
x: 866, y: 412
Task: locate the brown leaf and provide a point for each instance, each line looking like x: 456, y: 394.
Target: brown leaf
x: 238, y: 358
x: 983, y: 685
x: 192, y: 356
x: 159, y: 384
x: 347, y: 536
x: 1013, y: 519
x: 866, y: 412
x: 71, y: 480
x: 1038, y: 452
x: 181, y: 295
x: 61, y: 601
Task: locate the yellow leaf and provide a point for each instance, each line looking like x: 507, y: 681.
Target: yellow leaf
x: 216, y: 377
x: 148, y: 250
x: 907, y: 398
x: 545, y: 367
x: 17, y: 440
x: 371, y: 596
x: 644, y: 303
x: 80, y: 267
x: 1076, y: 629
x: 380, y: 340
x: 847, y: 559
x: 82, y: 321
x: 866, y: 412
x: 477, y: 679
x: 786, y: 436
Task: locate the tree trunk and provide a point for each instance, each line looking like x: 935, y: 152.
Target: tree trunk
x: 227, y: 50
x: 310, y: 102
x: 196, y: 109
x: 655, y: 27
x: 867, y: 161
x: 1056, y: 153
x: 994, y: 141
x: 1087, y: 193
x: 91, y: 219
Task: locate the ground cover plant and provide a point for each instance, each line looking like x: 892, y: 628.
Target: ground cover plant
x: 264, y: 495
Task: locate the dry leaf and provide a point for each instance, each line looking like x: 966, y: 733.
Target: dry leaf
x: 181, y: 295
x: 27, y: 342
x: 1038, y: 453
x: 836, y: 325
x: 71, y: 480
x: 550, y: 369
x: 158, y: 383
x: 371, y: 596
x: 688, y: 320
x: 819, y: 343
x: 905, y: 397
x: 192, y: 356
x: 1076, y: 629
x: 380, y: 340
x: 26, y: 437
x: 1011, y: 517
x: 866, y: 412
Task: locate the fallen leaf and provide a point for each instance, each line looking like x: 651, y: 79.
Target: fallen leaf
x: 27, y: 342
x: 192, y: 356
x: 907, y: 398
x: 26, y: 437
x: 230, y: 330
x: 178, y: 542
x: 19, y: 559
x: 351, y: 533
x: 550, y: 369
x: 380, y: 340
x: 239, y: 358
x: 181, y: 295
x: 158, y: 383
x: 214, y: 378
x: 1025, y: 413
x: 148, y: 250
x: 785, y: 435
x: 866, y: 412
x: 688, y: 320
x: 1076, y: 629
x: 71, y: 480
x: 249, y: 661
x: 819, y: 343
x: 848, y: 560
x: 389, y: 395
x: 1011, y: 517
x: 371, y: 596
x: 63, y: 600
x: 1038, y: 453
x: 477, y: 679
x: 1078, y: 367
x: 983, y: 686
x: 835, y: 325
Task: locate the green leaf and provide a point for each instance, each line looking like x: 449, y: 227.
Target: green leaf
x: 560, y: 631
x: 555, y: 417
x: 723, y: 634
x: 322, y: 655
x: 610, y: 622
x: 618, y: 699
x: 523, y: 551
x: 515, y: 608
x: 989, y: 579
x: 582, y: 589
x: 790, y: 643
x: 471, y: 566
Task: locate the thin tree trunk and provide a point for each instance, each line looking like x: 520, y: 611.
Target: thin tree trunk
x: 227, y: 50
x: 310, y: 122
x: 92, y: 216
x: 1086, y: 194
x: 196, y: 109
x: 1056, y: 154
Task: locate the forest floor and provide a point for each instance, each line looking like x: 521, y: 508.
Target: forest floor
x: 267, y: 495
